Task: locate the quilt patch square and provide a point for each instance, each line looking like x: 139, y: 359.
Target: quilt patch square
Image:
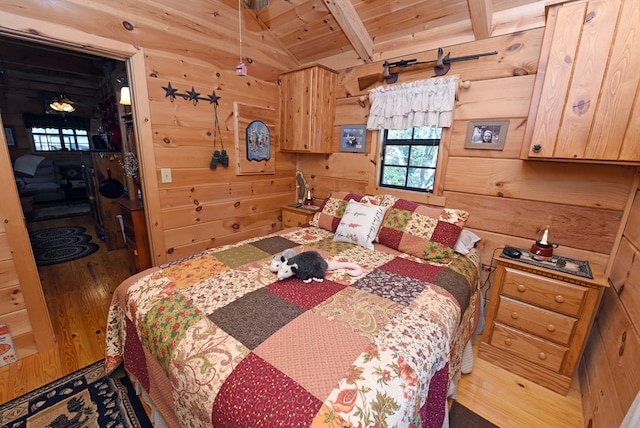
x: 422, y: 271
x: 305, y: 295
x: 238, y: 256
x: 331, y: 246
x: 330, y: 348
x: 193, y: 271
x: 391, y: 286
x: 274, y: 244
x: 258, y: 394
x: 255, y: 316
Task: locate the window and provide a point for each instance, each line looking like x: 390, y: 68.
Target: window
x: 55, y: 133
x: 409, y: 158
x: 54, y: 139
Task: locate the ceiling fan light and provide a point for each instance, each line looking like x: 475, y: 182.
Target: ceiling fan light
x: 62, y: 105
x: 125, y: 96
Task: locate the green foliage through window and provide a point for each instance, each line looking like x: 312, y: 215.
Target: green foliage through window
x: 409, y: 158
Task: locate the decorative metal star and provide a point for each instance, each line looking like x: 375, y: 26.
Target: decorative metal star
x: 213, y: 98
x: 192, y: 95
x: 171, y: 92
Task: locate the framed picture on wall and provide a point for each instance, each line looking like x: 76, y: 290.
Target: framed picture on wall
x: 486, y: 134
x: 8, y: 133
x: 353, y: 138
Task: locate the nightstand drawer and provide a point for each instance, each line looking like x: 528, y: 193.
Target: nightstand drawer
x: 292, y: 217
x: 532, y: 319
x: 545, y: 292
x: 528, y: 347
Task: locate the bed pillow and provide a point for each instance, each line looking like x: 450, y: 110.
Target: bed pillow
x: 422, y: 231
x: 466, y: 241
x: 360, y: 223
x: 27, y: 164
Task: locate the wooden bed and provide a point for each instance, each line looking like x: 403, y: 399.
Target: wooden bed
x: 216, y: 340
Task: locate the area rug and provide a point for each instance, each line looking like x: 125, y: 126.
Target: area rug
x: 86, y: 398
x: 61, y: 244
x: 462, y: 417
x: 62, y: 210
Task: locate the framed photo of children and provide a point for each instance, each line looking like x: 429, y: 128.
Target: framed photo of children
x: 353, y: 138
x: 486, y: 134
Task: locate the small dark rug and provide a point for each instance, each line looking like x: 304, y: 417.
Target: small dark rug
x: 55, y: 211
x: 86, y: 398
x: 61, y: 244
x: 461, y: 417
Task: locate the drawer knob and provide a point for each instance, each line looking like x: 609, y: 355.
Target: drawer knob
x: 515, y: 315
x: 551, y: 328
x: 542, y: 355
x: 521, y: 288
x: 559, y: 298
x: 507, y: 342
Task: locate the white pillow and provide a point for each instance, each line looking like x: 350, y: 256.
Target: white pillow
x: 360, y: 224
x: 466, y: 241
x: 27, y: 164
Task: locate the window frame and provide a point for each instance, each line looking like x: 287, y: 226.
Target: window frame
x: 65, y: 146
x: 384, y: 141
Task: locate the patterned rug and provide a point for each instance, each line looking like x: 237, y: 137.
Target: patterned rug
x: 85, y: 398
x: 61, y: 244
x: 462, y: 417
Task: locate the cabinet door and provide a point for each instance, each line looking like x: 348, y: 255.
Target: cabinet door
x: 582, y: 107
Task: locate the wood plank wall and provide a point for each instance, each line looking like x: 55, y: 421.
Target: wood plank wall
x: 508, y: 199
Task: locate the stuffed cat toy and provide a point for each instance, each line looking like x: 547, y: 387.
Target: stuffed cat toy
x: 281, y: 258
x: 310, y: 266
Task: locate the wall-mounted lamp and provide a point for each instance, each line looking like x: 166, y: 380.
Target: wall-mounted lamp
x: 125, y: 96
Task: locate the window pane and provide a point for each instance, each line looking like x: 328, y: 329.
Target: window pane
x: 399, y: 134
x: 424, y: 156
x: 421, y: 178
x: 396, y: 155
x: 394, y: 176
x: 67, y: 131
x: 83, y: 143
x: 427, y: 133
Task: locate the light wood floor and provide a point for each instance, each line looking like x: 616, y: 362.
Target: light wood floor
x: 78, y: 295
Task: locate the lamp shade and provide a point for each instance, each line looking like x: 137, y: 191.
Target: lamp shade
x: 62, y: 104
x: 125, y: 96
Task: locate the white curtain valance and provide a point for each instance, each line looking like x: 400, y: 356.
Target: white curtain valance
x: 415, y: 104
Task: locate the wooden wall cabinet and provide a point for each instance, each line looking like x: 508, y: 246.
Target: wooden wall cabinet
x: 538, y: 321
x: 584, y: 105
x: 307, y: 109
x: 135, y: 231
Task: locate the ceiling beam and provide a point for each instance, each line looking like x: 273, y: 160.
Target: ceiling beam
x: 481, y: 16
x: 346, y: 16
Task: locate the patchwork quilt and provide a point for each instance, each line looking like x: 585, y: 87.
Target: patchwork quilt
x: 216, y: 340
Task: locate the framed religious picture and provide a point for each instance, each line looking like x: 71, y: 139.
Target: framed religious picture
x: 353, y: 138
x: 486, y: 134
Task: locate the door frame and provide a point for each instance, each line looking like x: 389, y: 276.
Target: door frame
x: 38, y: 31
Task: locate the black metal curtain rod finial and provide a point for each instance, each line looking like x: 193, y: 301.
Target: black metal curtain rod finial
x: 191, y: 95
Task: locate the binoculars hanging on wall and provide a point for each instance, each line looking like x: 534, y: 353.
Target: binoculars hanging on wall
x: 219, y: 158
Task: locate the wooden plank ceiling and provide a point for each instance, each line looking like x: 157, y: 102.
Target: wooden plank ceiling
x: 345, y: 33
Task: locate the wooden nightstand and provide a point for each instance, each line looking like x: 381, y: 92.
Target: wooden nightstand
x: 292, y: 216
x: 539, y: 320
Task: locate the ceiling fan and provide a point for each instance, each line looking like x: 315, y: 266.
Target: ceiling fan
x: 255, y: 4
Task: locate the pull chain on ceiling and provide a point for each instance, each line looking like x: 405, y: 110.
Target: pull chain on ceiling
x: 241, y: 68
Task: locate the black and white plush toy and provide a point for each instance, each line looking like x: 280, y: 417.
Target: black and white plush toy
x: 282, y: 258
x: 310, y: 266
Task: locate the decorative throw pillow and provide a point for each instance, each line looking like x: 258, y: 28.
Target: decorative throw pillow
x: 332, y: 209
x: 27, y: 164
x: 422, y: 231
x: 360, y: 224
